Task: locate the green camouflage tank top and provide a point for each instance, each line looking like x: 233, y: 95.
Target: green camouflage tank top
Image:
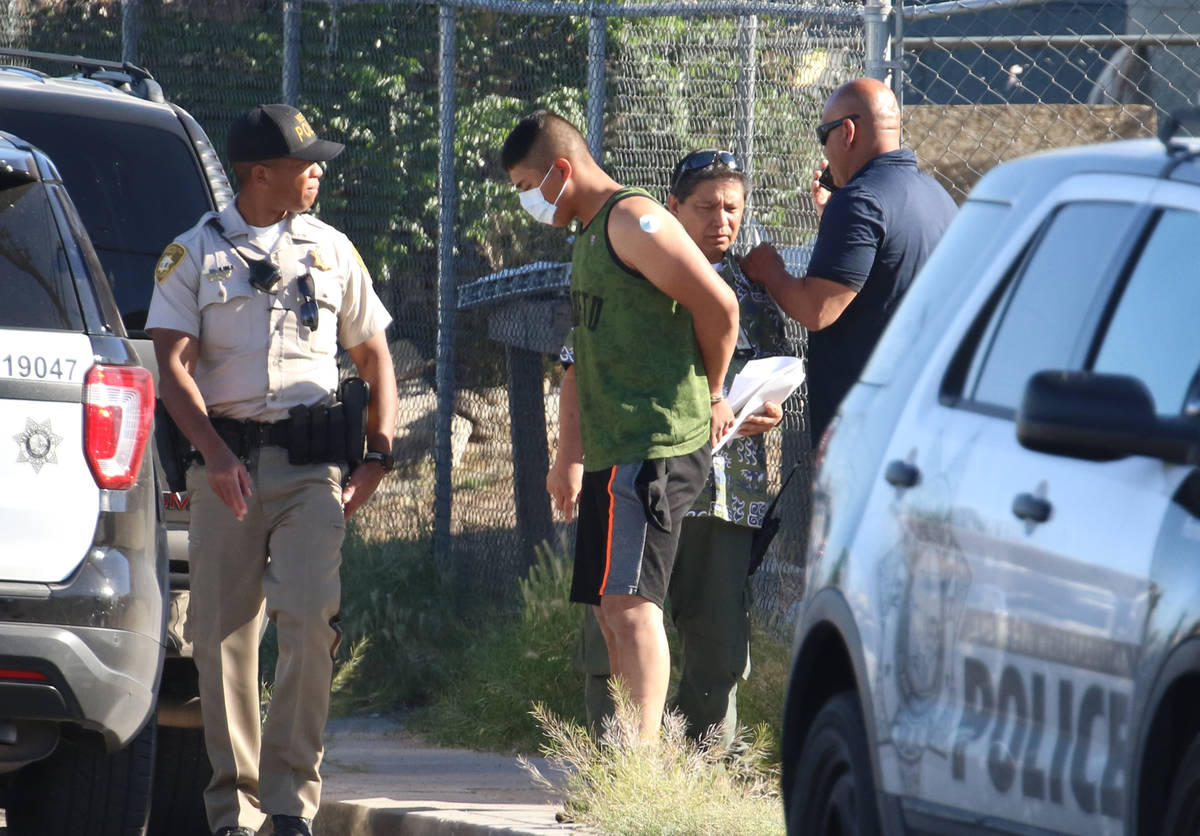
x: 642, y: 389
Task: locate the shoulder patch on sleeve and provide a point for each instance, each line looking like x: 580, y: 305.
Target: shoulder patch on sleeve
x: 362, y: 266
x: 169, y: 260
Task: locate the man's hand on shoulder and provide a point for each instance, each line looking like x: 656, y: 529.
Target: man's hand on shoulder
x: 764, y: 265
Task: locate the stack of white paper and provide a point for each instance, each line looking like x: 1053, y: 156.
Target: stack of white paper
x: 762, y: 380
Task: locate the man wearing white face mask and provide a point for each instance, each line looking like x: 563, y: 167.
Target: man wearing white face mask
x: 655, y: 327
x: 535, y: 203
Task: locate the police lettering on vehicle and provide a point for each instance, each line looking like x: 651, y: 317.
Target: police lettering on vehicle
x: 990, y: 706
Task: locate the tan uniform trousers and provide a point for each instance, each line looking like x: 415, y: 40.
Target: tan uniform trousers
x: 295, y: 517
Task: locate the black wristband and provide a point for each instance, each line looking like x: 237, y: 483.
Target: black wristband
x: 384, y: 460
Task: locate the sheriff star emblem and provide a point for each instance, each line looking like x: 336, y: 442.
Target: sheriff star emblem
x: 36, y: 444
x: 168, y: 261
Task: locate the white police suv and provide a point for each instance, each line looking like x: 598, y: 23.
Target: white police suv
x: 1001, y: 628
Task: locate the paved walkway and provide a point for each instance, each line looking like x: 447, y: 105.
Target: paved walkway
x: 383, y: 781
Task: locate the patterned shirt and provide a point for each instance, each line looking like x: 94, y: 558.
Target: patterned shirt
x: 737, y: 488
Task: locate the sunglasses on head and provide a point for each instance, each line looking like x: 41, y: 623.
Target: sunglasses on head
x: 826, y: 128
x: 698, y: 160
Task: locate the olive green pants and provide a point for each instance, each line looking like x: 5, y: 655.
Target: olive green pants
x: 709, y: 601
x: 294, y: 517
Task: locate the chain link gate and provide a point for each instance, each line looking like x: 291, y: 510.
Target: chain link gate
x: 423, y: 94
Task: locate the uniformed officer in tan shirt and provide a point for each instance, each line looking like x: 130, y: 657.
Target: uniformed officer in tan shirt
x: 249, y: 307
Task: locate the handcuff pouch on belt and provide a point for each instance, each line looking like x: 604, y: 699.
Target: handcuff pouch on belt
x: 317, y: 434
x: 331, y: 433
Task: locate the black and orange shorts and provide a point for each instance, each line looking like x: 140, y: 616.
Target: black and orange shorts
x: 630, y: 516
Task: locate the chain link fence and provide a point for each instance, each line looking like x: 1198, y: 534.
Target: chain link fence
x: 424, y: 92
x: 985, y: 81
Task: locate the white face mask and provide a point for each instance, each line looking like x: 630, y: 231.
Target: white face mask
x: 535, y: 203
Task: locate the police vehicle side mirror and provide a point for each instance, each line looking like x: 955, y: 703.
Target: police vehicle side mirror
x: 1101, y: 417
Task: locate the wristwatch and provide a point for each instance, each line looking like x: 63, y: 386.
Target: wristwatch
x: 385, y: 460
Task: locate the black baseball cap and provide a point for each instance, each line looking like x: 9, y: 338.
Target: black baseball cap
x: 274, y: 131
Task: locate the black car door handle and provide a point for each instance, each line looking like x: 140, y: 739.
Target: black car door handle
x: 1030, y: 507
x: 902, y: 474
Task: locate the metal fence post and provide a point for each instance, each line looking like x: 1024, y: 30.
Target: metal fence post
x: 744, y: 96
x: 130, y: 14
x: 442, y: 456
x: 597, y: 54
x: 531, y: 459
x: 876, y: 24
x: 291, y: 52
x: 897, y: 57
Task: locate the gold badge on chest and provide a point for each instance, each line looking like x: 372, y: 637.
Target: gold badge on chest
x: 318, y: 260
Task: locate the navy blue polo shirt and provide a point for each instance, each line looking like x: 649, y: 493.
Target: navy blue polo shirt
x: 875, y: 234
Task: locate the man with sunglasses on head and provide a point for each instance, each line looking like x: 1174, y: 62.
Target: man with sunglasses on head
x: 654, y: 331
x: 249, y: 307
x: 709, y: 592
x: 880, y: 218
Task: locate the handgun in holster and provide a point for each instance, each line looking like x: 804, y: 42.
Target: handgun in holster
x: 174, y: 450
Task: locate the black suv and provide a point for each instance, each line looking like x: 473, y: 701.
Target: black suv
x: 140, y: 171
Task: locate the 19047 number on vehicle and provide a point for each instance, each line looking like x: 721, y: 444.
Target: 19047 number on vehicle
x: 38, y: 367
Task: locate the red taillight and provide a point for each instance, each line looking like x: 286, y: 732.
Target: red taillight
x: 118, y: 407
x: 9, y: 673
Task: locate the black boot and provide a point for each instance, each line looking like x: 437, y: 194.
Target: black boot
x: 291, y: 826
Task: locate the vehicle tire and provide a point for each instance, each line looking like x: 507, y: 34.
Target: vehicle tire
x: 80, y: 791
x: 181, y: 773
x: 1183, y: 804
x: 833, y: 793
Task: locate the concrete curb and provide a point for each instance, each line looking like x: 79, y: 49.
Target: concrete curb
x: 379, y: 780
x: 388, y: 817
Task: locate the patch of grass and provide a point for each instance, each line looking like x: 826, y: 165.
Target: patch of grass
x: 518, y: 661
x: 402, y: 628
x: 761, y: 697
x: 620, y: 785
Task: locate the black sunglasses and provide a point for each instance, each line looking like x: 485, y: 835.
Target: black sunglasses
x: 698, y: 160
x: 825, y: 129
x: 309, y: 315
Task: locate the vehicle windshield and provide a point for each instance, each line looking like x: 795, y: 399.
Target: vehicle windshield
x: 38, y: 289
x: 135, y: 187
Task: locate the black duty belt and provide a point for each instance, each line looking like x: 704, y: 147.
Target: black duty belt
x: 243, y: 437
x: 311, y: 434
